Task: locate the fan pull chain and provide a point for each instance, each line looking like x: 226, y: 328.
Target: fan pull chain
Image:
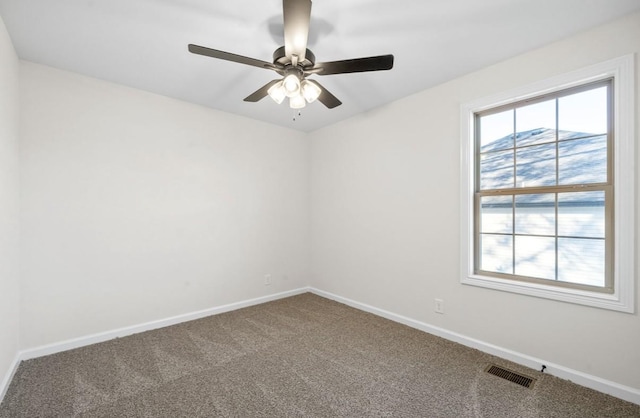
x: 297, y: 114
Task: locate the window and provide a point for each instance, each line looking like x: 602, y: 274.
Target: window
x: 544, y: 194
x: 547, y: 188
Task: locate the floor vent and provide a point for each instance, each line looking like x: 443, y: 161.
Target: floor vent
x: 521, y: 380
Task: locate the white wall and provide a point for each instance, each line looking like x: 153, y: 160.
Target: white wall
x: 136, y: 207
x: 385, y: 218
x: 9, y: 203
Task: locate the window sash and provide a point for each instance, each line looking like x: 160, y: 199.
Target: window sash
x: 608, y: 235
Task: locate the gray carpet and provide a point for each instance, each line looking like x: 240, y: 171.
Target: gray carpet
x: 303, y: 356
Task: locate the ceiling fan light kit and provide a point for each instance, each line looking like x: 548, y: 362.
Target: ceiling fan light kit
x: 299, y: 92
x: 294, y: 62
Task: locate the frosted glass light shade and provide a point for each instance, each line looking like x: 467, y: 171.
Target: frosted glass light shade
x: 297, y: 102
x: 291, y: 85
x: 310, y: 91
x: 277, y: 92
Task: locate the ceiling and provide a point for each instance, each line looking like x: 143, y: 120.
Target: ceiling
x: 143, y: 44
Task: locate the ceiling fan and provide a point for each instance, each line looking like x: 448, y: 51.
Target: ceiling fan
x: 294, y: 62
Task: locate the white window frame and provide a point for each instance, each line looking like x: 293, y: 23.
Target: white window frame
x: 623, y: 296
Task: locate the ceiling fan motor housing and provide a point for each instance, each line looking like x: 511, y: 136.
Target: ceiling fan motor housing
x: 279, y: 58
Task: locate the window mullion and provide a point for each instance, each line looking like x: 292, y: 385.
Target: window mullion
x: 557, y: 183
x: 513, y: 199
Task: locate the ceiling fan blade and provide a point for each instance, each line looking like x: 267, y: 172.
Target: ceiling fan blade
x: 261, y: 92
x: 355, y: 65
x: 228, y: 56
x: 326, y: 98
x: 296, y: 15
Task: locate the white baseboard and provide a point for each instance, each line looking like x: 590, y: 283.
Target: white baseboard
x: 148, y: 326
x: 4, y: 386
x: 602, y: 385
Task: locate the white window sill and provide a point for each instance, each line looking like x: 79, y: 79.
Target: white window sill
x: 580, y: 297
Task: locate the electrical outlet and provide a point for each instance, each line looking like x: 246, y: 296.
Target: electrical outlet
x: 267, y: 279
x: 439, y: 306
